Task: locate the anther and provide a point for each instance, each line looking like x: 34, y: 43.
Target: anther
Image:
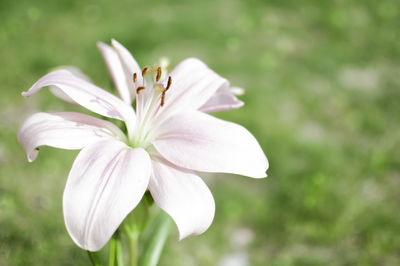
x: 162, y: 98
x: 139, y: 89
x: 144, y: 71
x: 158, y: 76
x: 169, y: 83
x: 134, y: 77
x: 165, y: 90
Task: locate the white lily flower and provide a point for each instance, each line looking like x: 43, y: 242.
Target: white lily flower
x: 168, y: 139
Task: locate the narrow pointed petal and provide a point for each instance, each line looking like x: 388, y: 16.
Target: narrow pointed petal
x: 116, y: 71
x: 106, y: 182
x: 59, y: 93
x: 86, y: 94
x: 198, y: 141
x: 63, y: 130
x: 193, y: 84
x: 184, y: 196
x: 222, y: 100
x: 129, y: 63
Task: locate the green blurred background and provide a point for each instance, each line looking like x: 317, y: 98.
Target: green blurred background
x: 322, y: 97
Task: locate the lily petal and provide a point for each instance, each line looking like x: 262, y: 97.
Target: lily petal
x: 198, y: 141
x: 86, y: 94
x: 129, y: 65
x: 184, y: 196
x: 63, y: 130
x: 116, y: 71
x: 59, y: 93
x: 106, y: 182
x: 222, y: 100
x: 193, y: 84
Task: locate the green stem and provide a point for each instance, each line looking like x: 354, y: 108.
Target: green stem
x: 111, y: 255
x: 153, y: 249
x: 94, y: 258
x: 119, y: 253
x: 133, y: 240
x: 116, y: 256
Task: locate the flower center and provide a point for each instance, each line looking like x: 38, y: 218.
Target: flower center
x: 148, y: 103
x: 158, y: 86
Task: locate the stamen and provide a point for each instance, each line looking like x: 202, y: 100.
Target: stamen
x: 158, y: 76
x: 144, y: 71
x: 139, y: 89
x: 169, y: 83
x: 162, y: 98
x: 134, y: 77
x: 165, y: 90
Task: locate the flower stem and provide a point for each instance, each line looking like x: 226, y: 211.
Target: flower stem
x: 133, y: 241
x: 153, y: 249
x: 111, y: 254
x: 116, y: 256
x: 119, y: 253
x: 94, y: 258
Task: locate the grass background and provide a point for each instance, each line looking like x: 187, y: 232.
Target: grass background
x: 322, y: 97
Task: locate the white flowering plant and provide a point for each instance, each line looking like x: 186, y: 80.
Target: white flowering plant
x: 168, y: 136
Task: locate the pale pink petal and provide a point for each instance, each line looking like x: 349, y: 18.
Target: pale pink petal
x: 61, y: 95
x: 116, y: 71
x: 58, y: 92
x: 106, y: 182
x: 222, y: 100
x: 193, y: 84
x: 184, y: 196
x: 129, y: 63
x: 86, y: 94
x: 63, y: 130
x: 198, y: 141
